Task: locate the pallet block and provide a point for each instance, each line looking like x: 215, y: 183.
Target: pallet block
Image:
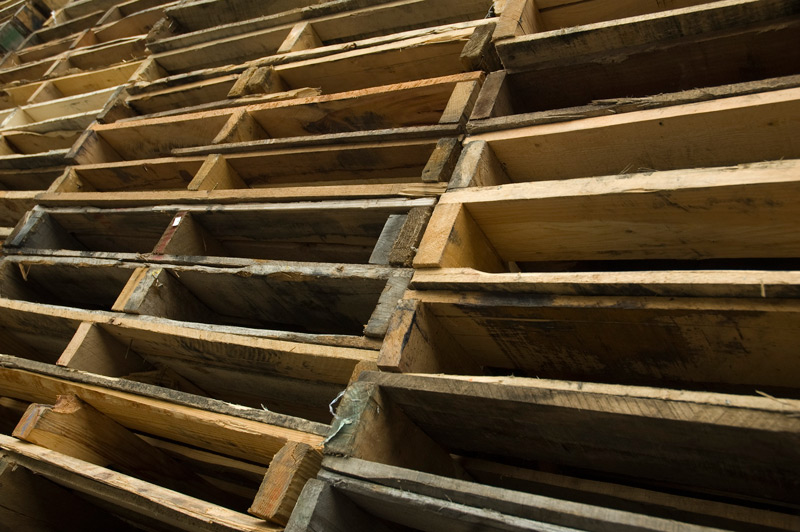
x: 714, y: 43
x: 434, y: 107
x: 602, y: 430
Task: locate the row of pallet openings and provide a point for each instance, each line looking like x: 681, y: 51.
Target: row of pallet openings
x: 139, y: 282
x: 660, y: 255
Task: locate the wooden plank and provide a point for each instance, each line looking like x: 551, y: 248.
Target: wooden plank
x: 495, y: 103
x: 750, y: 128
x: 118, y: 490
x: 679, y: 508
x: 739, y: 212
x: 558, y: 14
x: 74, y: 428
x: 236, y: 437
x: 728, y: 344
x: 628, y: 32
x: 419, y: 512
x: 741, y: 50
x: 314, y: 301
x: 286, y: 477
x: 739, y: 445
x: 537, y: 508
x: 671, y: 283
x: 34, y: 504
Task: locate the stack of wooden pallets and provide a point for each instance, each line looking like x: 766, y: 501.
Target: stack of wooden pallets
x: 539, y: 254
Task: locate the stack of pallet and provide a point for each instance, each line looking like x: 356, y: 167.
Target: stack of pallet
x: 214, y: 244
x: 601, y: 331
x: 220, y: 205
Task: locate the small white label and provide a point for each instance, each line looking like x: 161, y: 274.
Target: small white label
x: 176, y: 221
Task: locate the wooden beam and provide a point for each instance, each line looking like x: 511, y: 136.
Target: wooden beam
x: 301, y: 37
x: 94, y: 350
x: 745, y: 450
x: 286, y: 477
x: 224, y: 434
x: 453, y: 239
x: 74, y: 428
x: 141, y: 499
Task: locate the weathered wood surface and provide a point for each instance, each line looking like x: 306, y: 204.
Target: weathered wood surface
x: 32, y: 503
x: 728, y: 344
x: 739, y: 445
x: 332, y: 231
x: 140, y: 500
x: 432, y: 102
x: 192, y: 425
x: 547, y: 510
x: 705, y: 18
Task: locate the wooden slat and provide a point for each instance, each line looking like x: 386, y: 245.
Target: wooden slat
x: 740, y: 445
x: 145, y: 501
x: 239, y: 438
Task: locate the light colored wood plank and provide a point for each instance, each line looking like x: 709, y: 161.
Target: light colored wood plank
x: 729, y: 131
x: 74, y: 428
x: 236, y: 437
x: 739, y: 212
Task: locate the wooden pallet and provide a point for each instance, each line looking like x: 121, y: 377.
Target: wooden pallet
x: 396, y: 58
x: 94, y: 418
x: 472, y: 447
x: 296, y: 374
x: 371, y: 170
x: 588, y: 67
x: 355, y: 232
x: 718, y: 330
x: 262, y: 37
x: 83, y: 59
x: 428, y: 108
